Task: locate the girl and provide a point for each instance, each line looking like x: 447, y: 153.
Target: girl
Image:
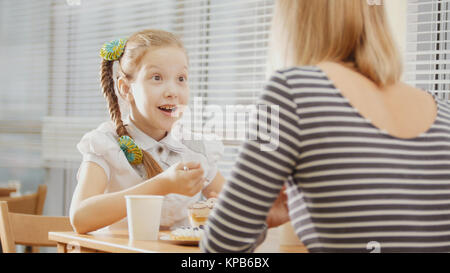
x: 125, y: 157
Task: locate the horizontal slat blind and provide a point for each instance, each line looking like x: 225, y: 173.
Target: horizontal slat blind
x: 24, y: 61
x: 59, y: 134
x: 427, y: 54
x: 226, y: 42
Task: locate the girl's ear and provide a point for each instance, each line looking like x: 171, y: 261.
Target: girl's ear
x: 125, y: 89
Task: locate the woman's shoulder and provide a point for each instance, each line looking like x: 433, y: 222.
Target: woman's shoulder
x: 297, y: 76
x: 319, y: 70
x: 288, y: 82
x: 296, y: 71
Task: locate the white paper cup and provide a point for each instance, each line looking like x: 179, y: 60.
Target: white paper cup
x: 144, y: 215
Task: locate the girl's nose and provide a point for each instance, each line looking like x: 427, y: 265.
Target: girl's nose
x: 170, y: 92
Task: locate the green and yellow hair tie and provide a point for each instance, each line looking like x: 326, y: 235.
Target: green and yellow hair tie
x: 132, y: 151
x: 113, y: 50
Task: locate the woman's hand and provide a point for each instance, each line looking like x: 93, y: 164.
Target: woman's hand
x: 186, y: 181
x: 279, y: 213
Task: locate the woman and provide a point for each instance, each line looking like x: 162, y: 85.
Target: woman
x: 365, y: 156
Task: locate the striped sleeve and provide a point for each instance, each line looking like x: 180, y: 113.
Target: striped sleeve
x: 266, y: 160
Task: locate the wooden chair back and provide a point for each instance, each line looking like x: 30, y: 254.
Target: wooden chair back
x: 6, y: 192
x: 26, y: 229
x: 29, y: 203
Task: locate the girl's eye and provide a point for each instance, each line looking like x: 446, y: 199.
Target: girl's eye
x: 182, y: 79
x: 156, y: 77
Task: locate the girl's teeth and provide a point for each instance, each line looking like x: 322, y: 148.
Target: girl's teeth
x: 167, y: 107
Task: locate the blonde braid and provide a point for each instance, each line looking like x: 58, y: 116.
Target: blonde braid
x: 107, y: 83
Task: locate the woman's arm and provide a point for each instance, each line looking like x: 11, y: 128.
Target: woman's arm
x: 278, y: 214
x: 92, y: 209
x: 239, y: 217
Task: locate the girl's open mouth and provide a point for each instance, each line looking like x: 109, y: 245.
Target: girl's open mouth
x: 168, y: 110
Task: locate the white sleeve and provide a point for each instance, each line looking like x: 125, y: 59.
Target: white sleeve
x: 94, y: 147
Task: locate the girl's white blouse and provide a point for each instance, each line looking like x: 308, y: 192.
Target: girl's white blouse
x: 100, y: 146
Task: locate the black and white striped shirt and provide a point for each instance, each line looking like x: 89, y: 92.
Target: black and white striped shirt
x: 350, y: 184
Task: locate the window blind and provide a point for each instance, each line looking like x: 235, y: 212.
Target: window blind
x: 24, y: 61
x: 427, y: 56
x: 226, y: 42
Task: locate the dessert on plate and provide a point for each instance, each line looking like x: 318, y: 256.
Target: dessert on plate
x: 186, y: 234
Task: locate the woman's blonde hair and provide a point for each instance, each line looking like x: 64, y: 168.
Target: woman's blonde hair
x: 307, y: 32
x: 135, y: 48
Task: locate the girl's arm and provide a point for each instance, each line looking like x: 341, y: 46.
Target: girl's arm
x: 92, y: 209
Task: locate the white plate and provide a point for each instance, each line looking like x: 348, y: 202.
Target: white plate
x: 166, y: 238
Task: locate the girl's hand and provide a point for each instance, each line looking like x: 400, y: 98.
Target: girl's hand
x: 184, y: 181
x: 214, y: 187
x: 211, y: 194
x: 279, y: 213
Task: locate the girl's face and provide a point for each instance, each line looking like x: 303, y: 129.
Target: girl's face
x: 160, y: 88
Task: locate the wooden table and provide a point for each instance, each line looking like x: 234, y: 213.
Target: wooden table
x: 118, y: 242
